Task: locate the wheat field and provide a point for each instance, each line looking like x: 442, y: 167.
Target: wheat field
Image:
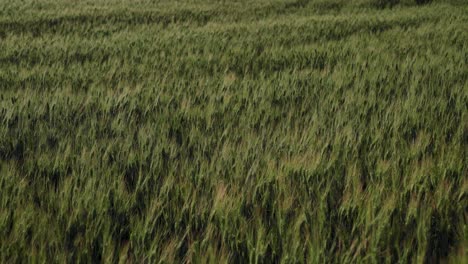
x: 203, y: 131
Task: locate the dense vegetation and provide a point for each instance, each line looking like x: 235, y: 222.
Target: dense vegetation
x: 233, y: 131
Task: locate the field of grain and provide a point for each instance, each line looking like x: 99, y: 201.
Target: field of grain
x: 203, y: 131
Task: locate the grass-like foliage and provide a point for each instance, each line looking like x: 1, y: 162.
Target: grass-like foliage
x: 233, y: 131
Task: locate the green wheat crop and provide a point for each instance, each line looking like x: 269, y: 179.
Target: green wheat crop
x: 204, y: 131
